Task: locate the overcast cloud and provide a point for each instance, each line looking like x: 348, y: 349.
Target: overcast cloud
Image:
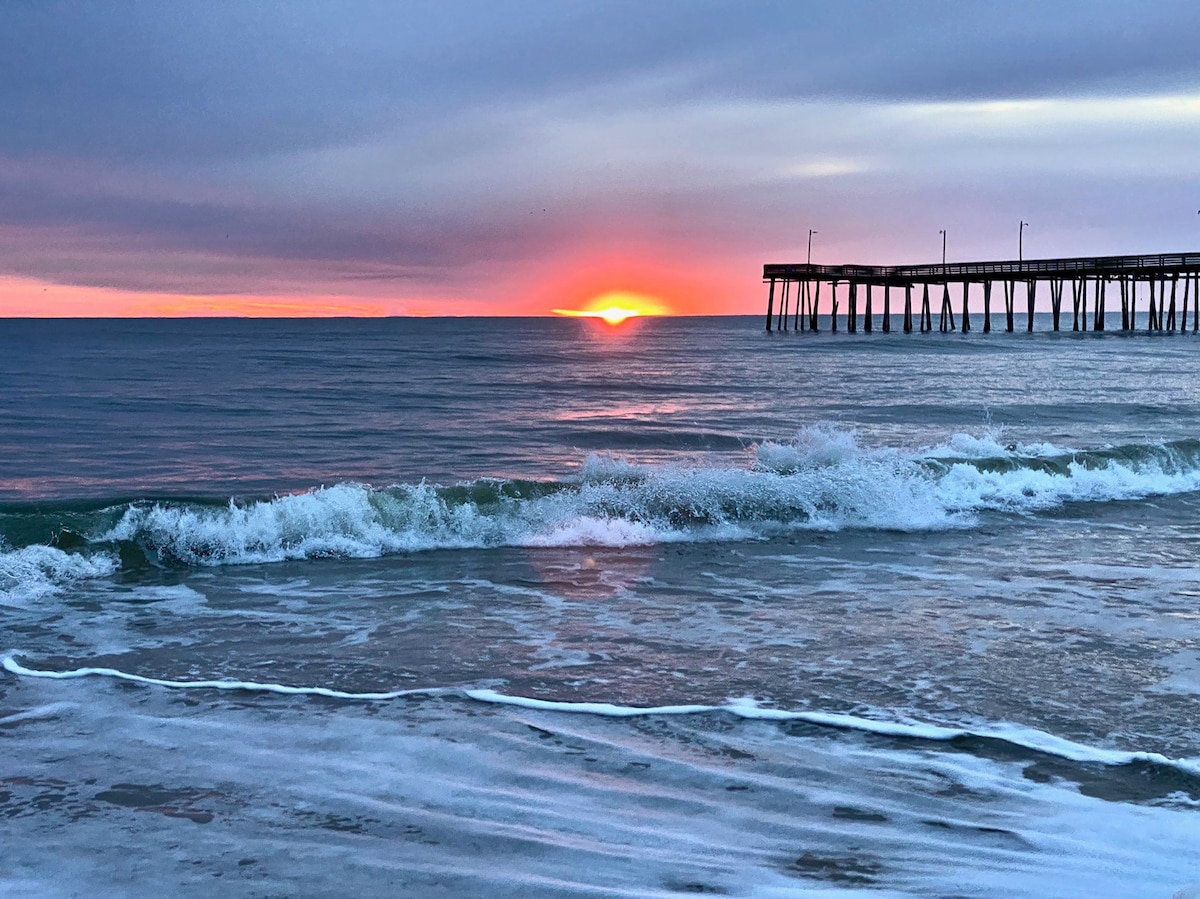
x: 455, y: 150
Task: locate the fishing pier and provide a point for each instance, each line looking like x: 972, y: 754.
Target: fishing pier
x: 1167, y: 281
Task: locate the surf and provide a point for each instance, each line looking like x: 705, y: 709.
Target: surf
x: 1029, y: 740
x: 824, y: 479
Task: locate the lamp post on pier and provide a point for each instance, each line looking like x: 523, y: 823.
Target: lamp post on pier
x: 943, y: 233
x: 811, y: 232
x: 1021, y: 241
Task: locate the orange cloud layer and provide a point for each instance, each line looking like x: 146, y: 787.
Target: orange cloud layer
x: 661, y: 280
x: 664, y: 281
x: 31, y: 298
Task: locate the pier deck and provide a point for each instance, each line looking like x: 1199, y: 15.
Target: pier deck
x: 1157, y: 276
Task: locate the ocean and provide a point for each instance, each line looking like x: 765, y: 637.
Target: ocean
x: 542, y: 607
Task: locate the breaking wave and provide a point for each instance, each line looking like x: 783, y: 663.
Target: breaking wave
x: 823, y: 479
x: 35, y: 571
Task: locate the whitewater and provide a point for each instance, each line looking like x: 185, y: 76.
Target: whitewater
x: 821, y: 480
x: 545, y: 608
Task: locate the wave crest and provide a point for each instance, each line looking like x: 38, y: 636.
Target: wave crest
x: 35, y: 571
x: 823, y: 479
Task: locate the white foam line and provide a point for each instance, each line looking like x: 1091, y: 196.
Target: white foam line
x: 13, y: 666
x: 1024, y: 737
x: 604, y: 709
x: 742, y: 709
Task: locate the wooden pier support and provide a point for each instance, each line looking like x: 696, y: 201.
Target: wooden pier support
x: 796, y: 308
x: 1183, y: 318
x: 1171, y: 311
x: 946, y: 322
x: 1056, y: 291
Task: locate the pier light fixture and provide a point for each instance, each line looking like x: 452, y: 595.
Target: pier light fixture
x: 1021, y: 241
x: 943, y: 233
x: 811, y: 232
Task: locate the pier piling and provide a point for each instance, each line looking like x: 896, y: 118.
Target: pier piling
x: 947, y: 318
x: 1056, y: 291
x: 1171, y: 309
x: 770, y: 305
x: 1168, y: 306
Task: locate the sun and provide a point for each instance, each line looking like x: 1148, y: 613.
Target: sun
x: 614, y: 315
x: 617, y: 307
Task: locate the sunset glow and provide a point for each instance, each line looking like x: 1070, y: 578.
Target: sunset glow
x: 617, y: 307
x: 536, y: 184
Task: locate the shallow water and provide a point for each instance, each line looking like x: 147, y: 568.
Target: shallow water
x: 526, y: 607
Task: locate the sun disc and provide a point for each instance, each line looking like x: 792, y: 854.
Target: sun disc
x: 617, y: 307
x: 614, y: 315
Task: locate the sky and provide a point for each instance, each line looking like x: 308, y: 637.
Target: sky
x: 512, y: 157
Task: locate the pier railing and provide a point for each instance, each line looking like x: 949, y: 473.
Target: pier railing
x: 899, y: 275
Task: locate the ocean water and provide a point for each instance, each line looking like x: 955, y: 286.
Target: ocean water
x: 545, y: 608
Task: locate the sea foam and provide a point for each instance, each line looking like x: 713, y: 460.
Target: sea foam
x: 1016, y: 735
x: 35, y: 571
x: 822, y: 480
